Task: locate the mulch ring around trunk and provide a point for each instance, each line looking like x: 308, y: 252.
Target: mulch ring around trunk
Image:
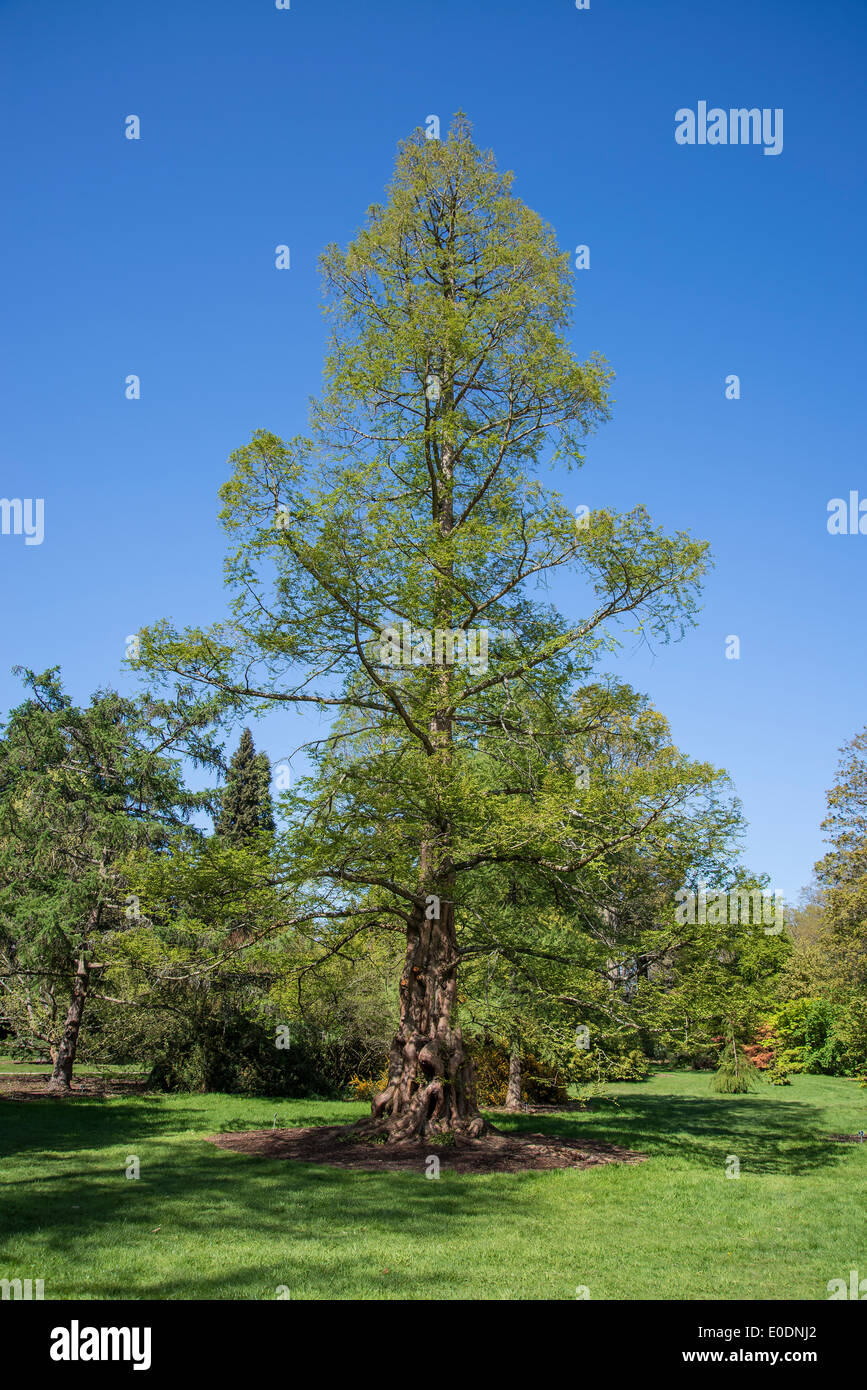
x: 494, y: 1153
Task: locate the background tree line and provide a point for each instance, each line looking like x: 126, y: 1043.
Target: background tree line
x: 130, y: 934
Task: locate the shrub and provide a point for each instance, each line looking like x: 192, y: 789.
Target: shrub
x: 850, y: 1029
x: 823, y: 1051
x: 761, y: 1051
x: 736, y: 1073
x: 491, y: 1062
x: 816, y: 1035
x: 237, y: 1055
x: 597, y: 1065
x: 365, y: 1088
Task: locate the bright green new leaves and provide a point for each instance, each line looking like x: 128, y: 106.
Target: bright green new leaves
x: 414, y: 501
x: 412, y: 512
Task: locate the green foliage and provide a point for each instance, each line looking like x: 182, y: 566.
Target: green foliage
x: 787, y: 1026
x: 407, y: 506
x: 850, y: 1028
x: 227, y: 962
x: 736, y: 1073
x: 538, y: 1085
x: 603, y: 1065
x: 245, y: 808
x: 822, y: 1051
x: 821, y: 1036
x: 230, y: 1052
x: 80, y: 790
x: 835, y: 1037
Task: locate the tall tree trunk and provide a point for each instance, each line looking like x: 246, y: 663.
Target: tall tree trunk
x: 431, y: 1083
x: 431, y: 1086
x: 513, y: 1091
x: 64, y: 1057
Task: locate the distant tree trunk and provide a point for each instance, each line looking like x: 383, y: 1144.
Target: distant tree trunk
x: 64, y: 1056
x: 513, y: 1092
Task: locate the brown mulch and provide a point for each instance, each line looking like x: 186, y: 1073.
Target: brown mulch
x: 846, y: 1138
x: 494, y: 1153
x: 34, y: 1087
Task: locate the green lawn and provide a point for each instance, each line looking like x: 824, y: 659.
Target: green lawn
x: 12, y: 1066
x: 205, y: 1223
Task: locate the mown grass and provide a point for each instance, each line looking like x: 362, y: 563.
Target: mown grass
x: 204, y: 1223
x: 13, y: 1066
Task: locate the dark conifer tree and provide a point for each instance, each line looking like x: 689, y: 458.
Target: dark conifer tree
x: 80, y: 790
x: 245, y: 805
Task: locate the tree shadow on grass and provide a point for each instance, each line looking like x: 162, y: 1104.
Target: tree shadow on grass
x: 64, y: 1126
x: 242, y: 1124
x: 783, y: 1138
x: 323, y: 1229
x: 317, y: 1230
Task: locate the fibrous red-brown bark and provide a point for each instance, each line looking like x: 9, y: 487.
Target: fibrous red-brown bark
x: 431, y: 1086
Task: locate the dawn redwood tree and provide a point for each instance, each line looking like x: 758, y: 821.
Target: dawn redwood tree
x: 80, y: 789
x: 390, y: 570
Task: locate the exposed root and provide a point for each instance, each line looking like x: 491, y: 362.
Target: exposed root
x: 431, y: 1087
x: 431, y: 1091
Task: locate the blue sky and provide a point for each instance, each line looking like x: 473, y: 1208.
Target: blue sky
x: 260, y: 127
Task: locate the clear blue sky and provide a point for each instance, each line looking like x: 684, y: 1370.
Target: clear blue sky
x: 260, y: 126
